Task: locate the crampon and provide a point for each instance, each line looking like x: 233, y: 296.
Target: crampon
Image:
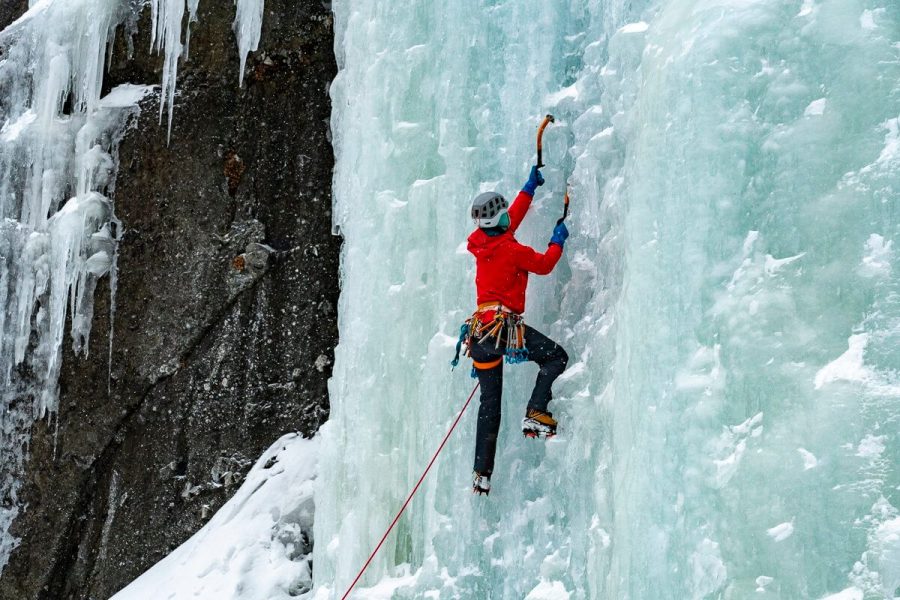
x: 481, y: 484
x: 538, y: 424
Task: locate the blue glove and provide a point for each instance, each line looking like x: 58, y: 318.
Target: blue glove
x: 560, y: 235
x: 534, y: 180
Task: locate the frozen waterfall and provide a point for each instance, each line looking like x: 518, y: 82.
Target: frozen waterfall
x: 58, y: 166
x: 729, y: 298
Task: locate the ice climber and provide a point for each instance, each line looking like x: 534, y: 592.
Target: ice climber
x: 497, y: 330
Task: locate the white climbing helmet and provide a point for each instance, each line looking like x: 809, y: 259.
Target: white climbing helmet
x: 488, y: 208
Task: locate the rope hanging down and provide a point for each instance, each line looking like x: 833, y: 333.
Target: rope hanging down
x: 411, y: 494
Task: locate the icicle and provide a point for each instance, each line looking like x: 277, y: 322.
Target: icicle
x: 165, y: 37
x: 248, y: 28
x: 192, y: 17
x: 58, y: 231
x: 56, y: 157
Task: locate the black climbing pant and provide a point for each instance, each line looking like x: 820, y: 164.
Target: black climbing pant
x: 550, y: 357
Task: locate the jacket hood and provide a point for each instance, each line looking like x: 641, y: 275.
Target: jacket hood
x: 483, y: 245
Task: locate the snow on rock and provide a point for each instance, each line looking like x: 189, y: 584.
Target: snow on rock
x: 126, y: 95
x: 257, y: 546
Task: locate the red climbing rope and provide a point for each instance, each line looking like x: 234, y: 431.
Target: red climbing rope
x: 411, y: 494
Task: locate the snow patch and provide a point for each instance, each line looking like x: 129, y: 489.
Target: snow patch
x: 781, y: 532
x: 815, y: 108
x: 878, y: 257
x: 891, y: 150
x: 809, y: 459
x: 867, y: 19
x: 773, y: 265
x: 13, y: 129
x: 871, y: 446
x: 807, y: 8
x: 703, y: 373
x: 548, y: 590
x: 762, y: 582
x: 848, y: 366
x: 637, y: 27
x: 851, y: 593
x: 256, y: 547
x: 734, y: 441
x: 126, y: 95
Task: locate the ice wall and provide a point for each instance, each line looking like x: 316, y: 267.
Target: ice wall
x: 57, y: 176
x: 728, y: 297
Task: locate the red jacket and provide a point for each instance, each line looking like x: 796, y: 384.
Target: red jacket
x: 502, y: 264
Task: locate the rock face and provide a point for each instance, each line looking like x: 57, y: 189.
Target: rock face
x: 225, y: 304
x: 10, y: 10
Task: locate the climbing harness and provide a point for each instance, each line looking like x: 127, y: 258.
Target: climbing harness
x: 506, y: 327
x: 412, y: 493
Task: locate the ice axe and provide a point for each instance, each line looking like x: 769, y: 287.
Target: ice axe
x: 540, y: 142
x: 540, y: 162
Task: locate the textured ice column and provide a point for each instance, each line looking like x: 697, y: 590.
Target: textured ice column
x: 433, y: 104
x: 729, y: 299
x: 760, y: 164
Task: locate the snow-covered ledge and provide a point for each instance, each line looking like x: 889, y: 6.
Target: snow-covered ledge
x: 256, y: 547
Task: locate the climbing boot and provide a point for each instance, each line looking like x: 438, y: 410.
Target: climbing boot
x: 538, y: 424
x: 482, y: 484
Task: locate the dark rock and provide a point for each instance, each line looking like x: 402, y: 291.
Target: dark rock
x: 210, y: 363
x: 10, y: 10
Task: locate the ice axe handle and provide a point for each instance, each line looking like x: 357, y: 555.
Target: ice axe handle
x: 565, y: 210
x: 540, y: 139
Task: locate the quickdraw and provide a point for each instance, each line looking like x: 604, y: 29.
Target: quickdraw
x: 506, y: 327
